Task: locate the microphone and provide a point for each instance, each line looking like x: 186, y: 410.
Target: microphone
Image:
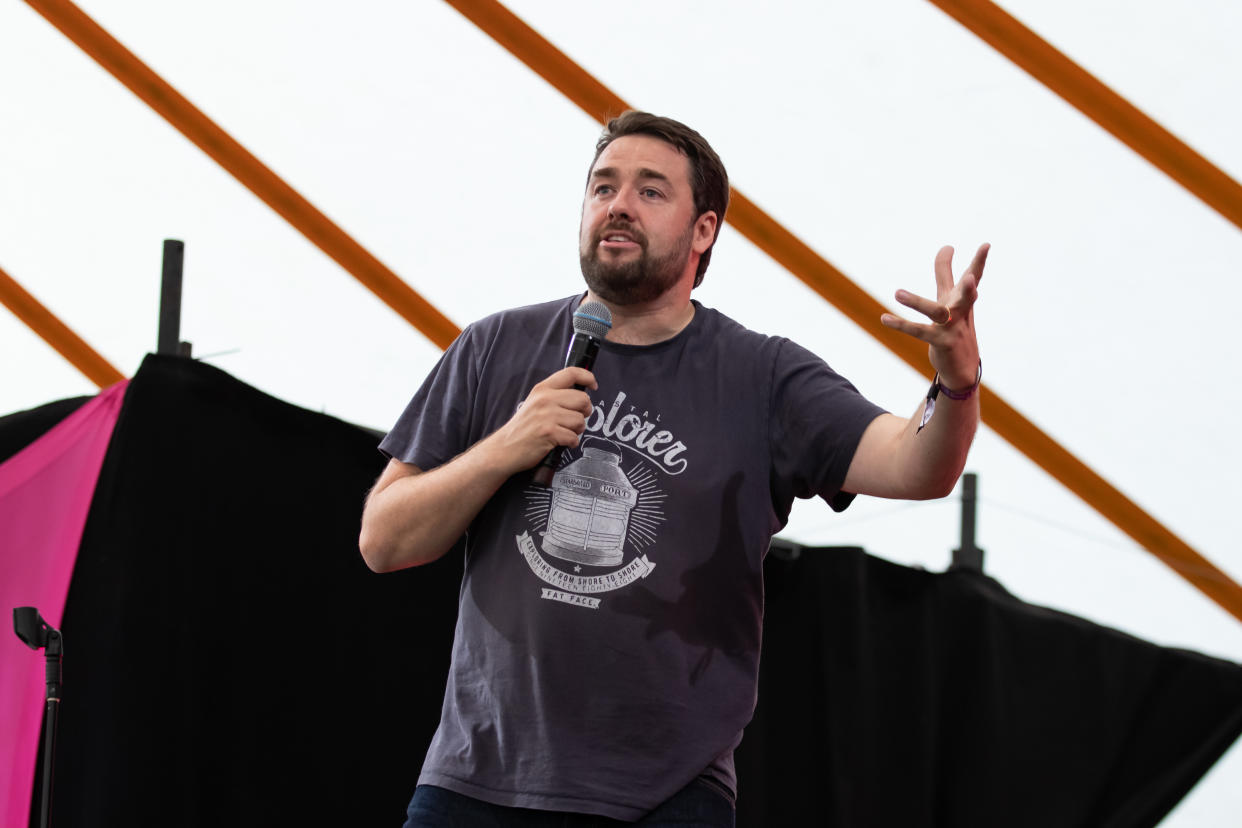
x: 592, y: 321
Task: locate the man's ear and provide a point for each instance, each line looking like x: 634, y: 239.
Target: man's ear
x: 704, y: 232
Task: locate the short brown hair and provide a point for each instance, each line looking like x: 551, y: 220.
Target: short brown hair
x: 708, y: 180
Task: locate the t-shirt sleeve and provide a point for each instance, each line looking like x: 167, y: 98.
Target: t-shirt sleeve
x: 434, y: 428
x: 817, y: 419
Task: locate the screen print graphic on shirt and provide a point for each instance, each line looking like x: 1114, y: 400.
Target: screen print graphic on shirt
x: 591, y: 530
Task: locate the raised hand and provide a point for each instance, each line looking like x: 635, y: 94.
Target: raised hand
x: 950, y: 336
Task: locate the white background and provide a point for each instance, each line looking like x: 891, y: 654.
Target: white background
x: 876, y: 132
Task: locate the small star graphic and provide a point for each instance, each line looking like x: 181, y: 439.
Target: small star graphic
x: 577, y: 568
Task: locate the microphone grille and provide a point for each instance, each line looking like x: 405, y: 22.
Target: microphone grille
x: 593, y: 319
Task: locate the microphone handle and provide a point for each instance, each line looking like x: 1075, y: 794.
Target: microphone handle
x: 582, y: 352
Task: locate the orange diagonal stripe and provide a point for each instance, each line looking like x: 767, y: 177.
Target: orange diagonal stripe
x: 1099, y: 103
x: 56, y: 333
x: 598, y: 101
x: 247, y: 169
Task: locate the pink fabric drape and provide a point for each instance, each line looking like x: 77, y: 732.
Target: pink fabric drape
x: 45, y: 494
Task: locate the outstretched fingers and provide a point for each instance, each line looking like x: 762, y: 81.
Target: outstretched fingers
x: 934, y: 310
x: 914, y: 329
x: 977, y: 263
x: 955, y: 298
x: 944, y: 271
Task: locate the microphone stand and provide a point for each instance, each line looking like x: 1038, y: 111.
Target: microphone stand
x: 37, y: 635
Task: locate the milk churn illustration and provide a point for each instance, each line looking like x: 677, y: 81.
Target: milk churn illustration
x: 591, y: 503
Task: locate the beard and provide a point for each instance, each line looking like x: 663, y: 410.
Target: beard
x: 639, y: 280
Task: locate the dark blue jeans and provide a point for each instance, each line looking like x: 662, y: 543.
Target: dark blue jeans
x: 695, y: 806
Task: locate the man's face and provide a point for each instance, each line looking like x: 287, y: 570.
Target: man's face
x: 638, y: 221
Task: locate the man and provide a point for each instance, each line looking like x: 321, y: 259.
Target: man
x: 607, y: 644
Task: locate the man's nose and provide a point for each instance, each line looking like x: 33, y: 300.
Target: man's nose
x: 622, y: 205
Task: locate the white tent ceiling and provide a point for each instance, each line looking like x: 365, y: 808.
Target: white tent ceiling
x: 875, y: 132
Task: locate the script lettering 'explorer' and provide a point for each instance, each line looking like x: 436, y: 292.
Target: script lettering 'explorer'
x: 632, y: 429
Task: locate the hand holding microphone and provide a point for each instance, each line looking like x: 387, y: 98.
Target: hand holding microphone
x: 592, y: 321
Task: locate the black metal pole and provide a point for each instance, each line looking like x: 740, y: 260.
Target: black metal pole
x: 968, y: 555
x: 37, y: 634
x: 170, y: 298
x: 51, y: 718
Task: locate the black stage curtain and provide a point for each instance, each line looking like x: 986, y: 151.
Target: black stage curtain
x: 231, y: 661
x: 229, y: 658
x: 21, y: 428
x: 892, y: 696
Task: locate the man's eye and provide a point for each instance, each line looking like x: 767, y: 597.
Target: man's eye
x: 651, y: 192
x: 603, y: 189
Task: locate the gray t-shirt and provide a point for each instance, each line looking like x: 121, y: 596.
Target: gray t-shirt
x: 607, y: 642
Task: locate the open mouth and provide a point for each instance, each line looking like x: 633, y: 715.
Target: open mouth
x: 619, y: 239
